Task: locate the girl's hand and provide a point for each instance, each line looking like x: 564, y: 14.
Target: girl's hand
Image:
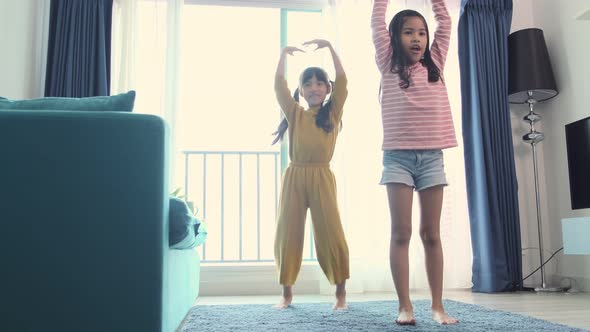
x: 291, y: 49
x: 320, y: 43
x: 287, y: 50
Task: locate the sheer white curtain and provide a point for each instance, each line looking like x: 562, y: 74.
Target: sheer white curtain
x: 40, y: 49
x: 145, y: 57
x: 357, y: 162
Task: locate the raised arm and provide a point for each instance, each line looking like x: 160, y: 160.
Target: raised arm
x: 381, y: 38
x: 282, y: 91
x: 321, y: 43
x: 442, y: 34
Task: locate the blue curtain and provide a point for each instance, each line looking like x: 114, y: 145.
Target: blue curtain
x: 484, y: 26
x: 79, y: 48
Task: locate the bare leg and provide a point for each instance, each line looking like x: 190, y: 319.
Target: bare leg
x: 400, y: 207
x: 341, y: 297
x: 286, y: 298
x: 430, y: 210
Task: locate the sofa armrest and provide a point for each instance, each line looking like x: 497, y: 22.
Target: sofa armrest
x: 83, y: 210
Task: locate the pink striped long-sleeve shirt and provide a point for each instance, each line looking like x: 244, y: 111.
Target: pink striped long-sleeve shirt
x: 418, y: 117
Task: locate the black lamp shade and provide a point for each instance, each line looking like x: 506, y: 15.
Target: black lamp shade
x: 529, y: 68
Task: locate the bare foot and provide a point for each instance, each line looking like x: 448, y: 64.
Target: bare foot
x: 340, y: 297
x: 286, y: 299
x: 406, y: 317
x: 441, y: 317
x: 284, y: 304
x: 340, y: 302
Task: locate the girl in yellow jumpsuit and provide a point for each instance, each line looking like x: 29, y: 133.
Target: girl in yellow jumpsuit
x: 308, y: 181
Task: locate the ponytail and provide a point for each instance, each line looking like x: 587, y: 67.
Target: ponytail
x: 282, y: 128
x: 322, y: 119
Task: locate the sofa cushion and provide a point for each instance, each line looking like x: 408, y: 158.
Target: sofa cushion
x: 122, y: 102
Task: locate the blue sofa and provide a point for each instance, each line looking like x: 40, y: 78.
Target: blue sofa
x: 84, y: 225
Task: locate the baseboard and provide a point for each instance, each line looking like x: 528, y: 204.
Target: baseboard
x: 237, y: 280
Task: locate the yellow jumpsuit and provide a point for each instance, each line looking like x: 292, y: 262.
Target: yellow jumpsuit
x: 309, y: 183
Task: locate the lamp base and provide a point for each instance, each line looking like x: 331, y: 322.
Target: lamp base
x: 549, y: 289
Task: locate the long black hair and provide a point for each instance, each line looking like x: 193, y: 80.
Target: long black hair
x: 399, y: 61
x: 322, y: 119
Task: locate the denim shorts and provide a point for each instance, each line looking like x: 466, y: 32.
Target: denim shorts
x: 420, y: 169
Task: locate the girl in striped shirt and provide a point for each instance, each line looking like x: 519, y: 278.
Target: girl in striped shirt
x: 417, y: 125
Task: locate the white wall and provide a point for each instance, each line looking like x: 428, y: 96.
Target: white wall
x: 20, y: 70
x: 568, y: 42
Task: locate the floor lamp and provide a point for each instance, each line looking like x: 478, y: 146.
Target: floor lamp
x: 530, y: 80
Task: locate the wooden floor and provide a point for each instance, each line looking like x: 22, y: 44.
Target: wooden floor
x: 563, y: 308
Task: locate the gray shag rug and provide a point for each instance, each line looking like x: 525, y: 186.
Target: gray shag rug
x: 361, y: 316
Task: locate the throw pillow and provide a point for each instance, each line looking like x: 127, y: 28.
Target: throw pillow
x: 122, y: 102
x: 185, y: 230
x: 181, y: 221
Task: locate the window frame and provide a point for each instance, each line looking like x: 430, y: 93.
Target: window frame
x: 283, y: 4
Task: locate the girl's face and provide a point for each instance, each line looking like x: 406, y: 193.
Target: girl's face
x: 414, y: 38
x: 314, y: 91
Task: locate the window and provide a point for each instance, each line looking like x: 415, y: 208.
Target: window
x: 226, y: 90
x: 228, y: 59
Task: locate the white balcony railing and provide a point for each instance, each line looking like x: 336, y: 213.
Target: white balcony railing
x: 236, y: 194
